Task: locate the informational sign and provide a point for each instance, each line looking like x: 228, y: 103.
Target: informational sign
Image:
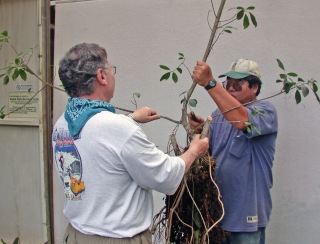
x: 23, y: 105
x: 24, y: 87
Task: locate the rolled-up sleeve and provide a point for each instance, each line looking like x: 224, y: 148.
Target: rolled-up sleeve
x: 265, y: 123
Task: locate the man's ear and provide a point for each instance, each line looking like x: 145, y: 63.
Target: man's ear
x: 101, y: 76
x: 255, y: 88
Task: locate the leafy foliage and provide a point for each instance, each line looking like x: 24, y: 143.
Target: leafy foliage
x: 246, y: 16
x: 291, y: 80
x: 19, y: 66
x: 172, y: 73
x: 174, y: 76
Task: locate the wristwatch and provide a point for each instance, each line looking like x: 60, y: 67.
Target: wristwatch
x: 211, y: 84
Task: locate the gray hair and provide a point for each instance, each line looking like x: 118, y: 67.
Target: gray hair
x: 77, y: 69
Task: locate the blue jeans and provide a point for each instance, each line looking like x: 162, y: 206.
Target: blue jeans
x: 257, y: 237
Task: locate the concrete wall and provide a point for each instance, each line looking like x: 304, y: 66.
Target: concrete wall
x: 139, y: 35
x: 23, y: 201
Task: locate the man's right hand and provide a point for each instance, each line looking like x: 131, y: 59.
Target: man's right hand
x: 202, y: 73
x: 195, y: 122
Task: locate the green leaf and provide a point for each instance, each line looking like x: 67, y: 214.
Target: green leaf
x: 278, y: 81
x: 251, y: 8
x: 297, y: 96
x: 305, y: 91
x: 165, y: 76
x: 301, y: 80
x: 23, y: 74
x: 182, y: 100
x: 9, y: 70
x: 251, y: 127
x: 193, y: 102
x: 137, y: 94
x: 4, y: 37
x: 17, y: 61
x: 287, y: 87
x: 179, y: 70
x: 318, y: 98
x: 174, y: 77
x: 255, y: 128
x: 181, y: 54
x: 256, y: 111
x: 240, y: 14
x: 248, y: 127
x: 283, y: 76
x: 15, y: 74
x: 164, y: 67
x: 280, y: 64
x: 228, y: 31
x: 6, y: 80
x: 4, y: 33
x: 240, y: 8
x: 292, y: 74
x: 16, y: 241
x: 253, y: 20
x: 246, y: 22
x: 315, y: 87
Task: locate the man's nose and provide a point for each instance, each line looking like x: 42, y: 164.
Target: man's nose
x: 231, y: 88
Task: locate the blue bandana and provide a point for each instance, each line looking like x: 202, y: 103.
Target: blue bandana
x: 80, y: 110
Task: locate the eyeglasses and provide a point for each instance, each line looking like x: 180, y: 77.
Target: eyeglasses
x: 236, y: 84
x: 113, y: 69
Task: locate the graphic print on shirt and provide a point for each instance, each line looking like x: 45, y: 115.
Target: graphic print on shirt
x: 69, y: 165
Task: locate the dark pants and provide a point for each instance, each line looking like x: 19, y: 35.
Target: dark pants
x: 257, y: 237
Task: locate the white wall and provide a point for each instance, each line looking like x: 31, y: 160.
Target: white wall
x: 139, y: 35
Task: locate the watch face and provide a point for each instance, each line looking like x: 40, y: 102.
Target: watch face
x: 211, y: 84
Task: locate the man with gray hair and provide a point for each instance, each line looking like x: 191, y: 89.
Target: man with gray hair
x: 108, y: 167
x: 244, y: 156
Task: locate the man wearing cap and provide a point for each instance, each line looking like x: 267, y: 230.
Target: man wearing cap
x: 244, y: 156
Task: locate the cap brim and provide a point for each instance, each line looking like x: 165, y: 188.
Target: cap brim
x: 234, y: 75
